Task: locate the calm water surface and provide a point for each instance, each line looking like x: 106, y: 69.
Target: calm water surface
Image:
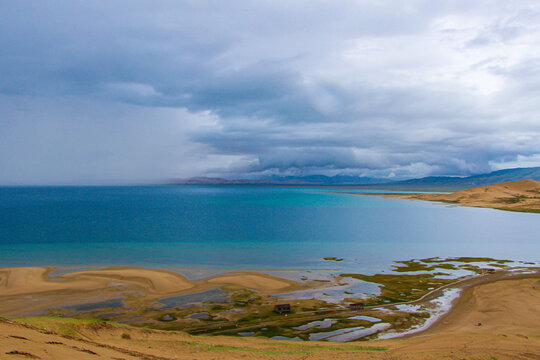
x: 247, y: 228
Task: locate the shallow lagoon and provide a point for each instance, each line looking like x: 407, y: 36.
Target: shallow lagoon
x: 247, y: 228
x: 214, y: 295
x: 95, y: 305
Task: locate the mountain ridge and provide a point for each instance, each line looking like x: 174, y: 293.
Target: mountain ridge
x: 432, y: 183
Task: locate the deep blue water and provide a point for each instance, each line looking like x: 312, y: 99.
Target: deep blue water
x: 247, y: 227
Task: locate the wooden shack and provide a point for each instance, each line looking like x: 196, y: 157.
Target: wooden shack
x: 282, y: 308
x: 356, y: 306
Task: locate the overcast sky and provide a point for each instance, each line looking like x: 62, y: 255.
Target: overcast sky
x: 145, y: 91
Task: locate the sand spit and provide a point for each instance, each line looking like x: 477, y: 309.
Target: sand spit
x: 155, y: 282
x: 259, y: 282
x: 29, y: 289
x: 521, y: 195
x: 496, y: 319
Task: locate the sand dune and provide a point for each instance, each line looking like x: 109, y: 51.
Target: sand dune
x: 18, y: 281
x: 521, y: 195
x: 153, y: 281
x: 255, y: 281
x: 28, y: 290
x: 505, y: 307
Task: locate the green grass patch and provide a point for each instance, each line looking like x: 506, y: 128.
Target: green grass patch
x: 333, y: 258
x: 64, y: 326
x: 512, y: 200
x: 400, y: 288
x: 289, y: 349
x: 341, y: 347
x: 463, y: 259
x: 414, y: 265
x: 537, y: 211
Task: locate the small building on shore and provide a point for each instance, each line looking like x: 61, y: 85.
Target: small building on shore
x: 357, y: 306
x: 282, y: 308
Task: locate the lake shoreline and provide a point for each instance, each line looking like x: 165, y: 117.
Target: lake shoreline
x: 518, y: 196
x: 237, y: 295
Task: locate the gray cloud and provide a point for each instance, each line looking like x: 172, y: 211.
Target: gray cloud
x: 142, y: 91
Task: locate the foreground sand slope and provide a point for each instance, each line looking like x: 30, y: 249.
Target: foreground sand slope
x: 509, y: 311
x: 504, y: 307
x: 521, y: 195
x: 498, y: 320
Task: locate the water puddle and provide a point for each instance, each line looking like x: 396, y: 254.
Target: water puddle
x: 66, y: 270
x: 297, y: 338
x: 197, y: 274
x: 351, y: 288
x: 183, y: 301
x: 358, y: 334
x: 435, y: 308
x: 248, y: 333
x: 321, y: 324
x: 97, y: 305
x: 325, y: 335
x: 367, y: 318
x: 200, y: 316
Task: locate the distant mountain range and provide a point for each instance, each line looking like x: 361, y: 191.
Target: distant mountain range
x: 313, y: 180
x: 427, y: 183
x: 459, y: 183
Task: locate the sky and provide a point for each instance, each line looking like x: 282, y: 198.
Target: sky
x: 124, y: 92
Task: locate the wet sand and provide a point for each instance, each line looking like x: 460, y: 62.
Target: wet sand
x: 25, y: 290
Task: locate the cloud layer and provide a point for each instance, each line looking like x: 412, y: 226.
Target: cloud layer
x: 123, y: 91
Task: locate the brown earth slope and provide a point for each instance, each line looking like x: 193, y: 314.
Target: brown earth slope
x: 521, y: 195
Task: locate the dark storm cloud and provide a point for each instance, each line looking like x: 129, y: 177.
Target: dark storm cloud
x: 245, y: 88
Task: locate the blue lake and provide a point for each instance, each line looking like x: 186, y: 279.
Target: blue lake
x: 247, y: 228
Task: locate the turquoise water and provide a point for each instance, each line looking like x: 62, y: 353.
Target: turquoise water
x: 247, y: 228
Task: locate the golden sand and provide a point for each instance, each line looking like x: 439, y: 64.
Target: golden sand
x: 521, y: 195
x: 259, y: 282
x: 508, y: 311
x: 21, y: 287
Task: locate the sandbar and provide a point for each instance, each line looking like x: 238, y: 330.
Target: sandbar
x: 494, y: 319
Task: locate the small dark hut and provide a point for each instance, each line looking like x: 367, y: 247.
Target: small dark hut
x: 356, y: 306
x: 282, y: 308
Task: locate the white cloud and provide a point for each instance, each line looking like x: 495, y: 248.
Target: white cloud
x: 74, y: 141
x: 519, y: 161
x: 173, y: 89
x: 129, y: 90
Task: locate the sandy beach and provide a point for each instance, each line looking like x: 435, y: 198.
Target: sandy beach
x: 495, y: 317
x: 28, y: 289
x: 28, y: 280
